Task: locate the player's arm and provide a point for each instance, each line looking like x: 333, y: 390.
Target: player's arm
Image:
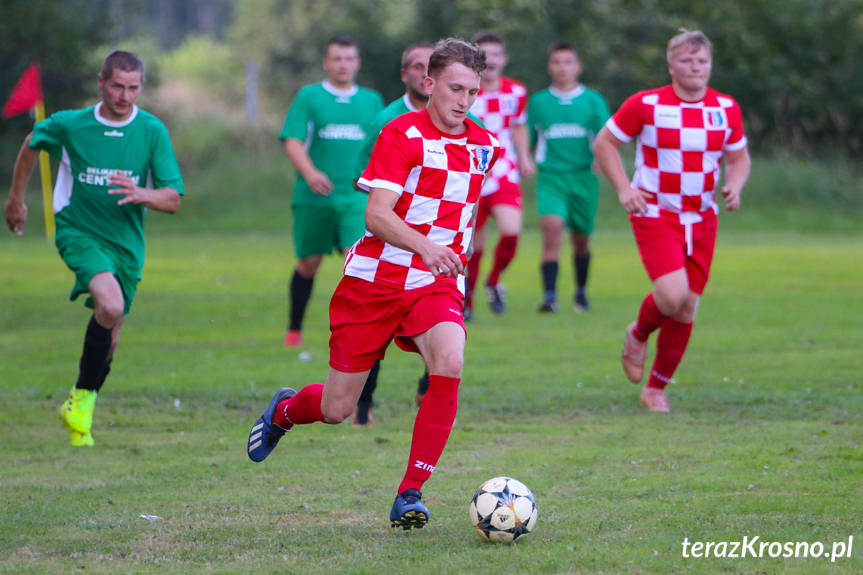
x: 607, y: 155
x: 383, y: 222
x: 600, y: 118
x: 317, y: 180
x: 521, y: 140
x: 165, y: 199
x: 16, y: 209
x: 737, y: 167
x: 469, y: 251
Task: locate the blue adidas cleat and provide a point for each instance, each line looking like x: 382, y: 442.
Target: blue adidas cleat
x: 408, y: 511
x: 265, y: 434
x: 496, y: 298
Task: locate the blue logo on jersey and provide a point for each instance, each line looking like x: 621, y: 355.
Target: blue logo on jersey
x: 715, y: 118
x: 480, y: 157
x: 509, y: 105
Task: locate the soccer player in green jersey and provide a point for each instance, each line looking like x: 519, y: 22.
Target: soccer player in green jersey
x: 116, y: 160
x: 564, y: 119
x: 323, y: 132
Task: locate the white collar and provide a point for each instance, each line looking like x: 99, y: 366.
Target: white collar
x: 337, y: 92
x: 571, y: 95
x: 407, y: 100
x: 111, y: 123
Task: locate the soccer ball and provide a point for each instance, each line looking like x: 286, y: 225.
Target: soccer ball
x: 503, y: 509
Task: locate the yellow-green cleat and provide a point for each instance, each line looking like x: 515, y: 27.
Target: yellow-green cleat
x: 76, y: 413
x: 80, y: 440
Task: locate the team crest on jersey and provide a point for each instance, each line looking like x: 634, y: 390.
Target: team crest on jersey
x: 509, y: 105
x: 480, y: 157
x: 714, y: 119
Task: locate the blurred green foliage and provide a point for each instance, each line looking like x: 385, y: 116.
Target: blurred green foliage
x: 60, y: 36
x: 207, y: 64
x: 791, y: 67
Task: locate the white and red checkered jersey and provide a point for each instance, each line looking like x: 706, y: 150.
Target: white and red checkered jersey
x: 438, y: 178
x: 499, y: 110
x: 679, y: 148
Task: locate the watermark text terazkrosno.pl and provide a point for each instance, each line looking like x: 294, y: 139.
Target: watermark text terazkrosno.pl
x: 756, y: 548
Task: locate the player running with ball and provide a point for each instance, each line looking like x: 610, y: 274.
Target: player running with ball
x: 404, y: 278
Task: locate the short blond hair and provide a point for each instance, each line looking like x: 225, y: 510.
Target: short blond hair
x: 695, y: 39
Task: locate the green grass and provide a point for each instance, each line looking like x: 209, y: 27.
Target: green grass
x: 764, y: 438
x: 246, y: 189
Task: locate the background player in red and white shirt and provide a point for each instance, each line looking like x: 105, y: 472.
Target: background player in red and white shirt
x: 404, y: 278
x: 683, y: 131
x: 502, y: 107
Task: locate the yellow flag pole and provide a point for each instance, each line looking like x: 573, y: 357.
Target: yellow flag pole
x: 45, y: 173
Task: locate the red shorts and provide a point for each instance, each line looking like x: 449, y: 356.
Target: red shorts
x: 508, y: 194
x: 664, y: 247
x: 365, y: 317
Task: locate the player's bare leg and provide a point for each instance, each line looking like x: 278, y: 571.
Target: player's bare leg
x: 362, y: 414
x: 340, y: 395
x: 100, y: 341
x: 330, y: 403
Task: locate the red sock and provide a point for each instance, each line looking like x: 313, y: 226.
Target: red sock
x: 649, y: 318
x: 670, y: 346
x: 431, y: 430
x: 304, y: 407
x: 472, y: 275
x: 503, y: 254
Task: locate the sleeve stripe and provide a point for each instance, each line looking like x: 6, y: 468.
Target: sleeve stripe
x: 738, y: 145
x: 367, y: 185
x: 617, y: 132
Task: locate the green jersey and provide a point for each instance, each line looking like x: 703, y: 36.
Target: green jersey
x: 387, y: 115
x: 563, y: 126
x: 394, y: 110
x: 333, y: 124
x: 91, y: 148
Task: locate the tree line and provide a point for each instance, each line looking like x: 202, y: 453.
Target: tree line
x: 791, y: 65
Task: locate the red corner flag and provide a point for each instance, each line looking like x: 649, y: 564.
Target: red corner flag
x: 27, y: 93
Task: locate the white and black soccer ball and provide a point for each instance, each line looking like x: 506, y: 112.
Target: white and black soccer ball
x: 503, y: 509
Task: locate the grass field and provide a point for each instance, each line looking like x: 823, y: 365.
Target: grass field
x: 765, y: 438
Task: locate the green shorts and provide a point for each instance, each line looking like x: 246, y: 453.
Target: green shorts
x: 320, y: 229
x: 86, y: 256
x: 571, y: 196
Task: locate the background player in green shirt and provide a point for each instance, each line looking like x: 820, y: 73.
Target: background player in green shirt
x: 323, y: 133
x: 564, y: 119
x: 115, y: 161
x: 415, y: 63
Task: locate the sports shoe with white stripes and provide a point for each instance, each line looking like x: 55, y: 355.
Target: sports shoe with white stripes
x: 496, y: 298
x: 265, y: 434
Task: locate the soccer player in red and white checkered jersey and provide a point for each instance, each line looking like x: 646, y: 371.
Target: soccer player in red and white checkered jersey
x: 502, y: 107
x: 683, y: 131
x: 404, y: 278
